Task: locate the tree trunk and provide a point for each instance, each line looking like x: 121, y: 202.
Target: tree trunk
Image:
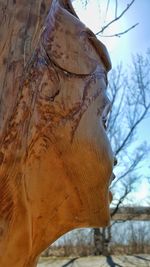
x: 98, y: 242
x: 102, y: 238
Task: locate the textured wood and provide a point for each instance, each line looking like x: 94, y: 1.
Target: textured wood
x: 20, y: 26
x: 55, y: 159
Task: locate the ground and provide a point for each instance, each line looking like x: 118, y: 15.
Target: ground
x: 99, y: 261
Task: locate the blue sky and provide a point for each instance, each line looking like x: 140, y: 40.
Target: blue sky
x: 122, y: 49
x: 135, y: 41
x: 139, y: 39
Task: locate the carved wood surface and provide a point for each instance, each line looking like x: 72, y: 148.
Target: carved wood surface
x: 55, y: 159
x: 20, y: 25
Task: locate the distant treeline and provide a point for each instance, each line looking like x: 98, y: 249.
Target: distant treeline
x: 127, y: 238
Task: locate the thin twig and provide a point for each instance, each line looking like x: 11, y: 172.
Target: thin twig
x: 120, y: 33
x: 133, y: 128
x: 107, y: 7
x: 126, y: 192
x: 115, y: 19
x: 116, y: 8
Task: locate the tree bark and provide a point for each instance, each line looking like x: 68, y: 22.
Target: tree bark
x: 102, y: 238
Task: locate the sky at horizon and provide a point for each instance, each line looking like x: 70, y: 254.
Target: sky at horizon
x: 122, y: 49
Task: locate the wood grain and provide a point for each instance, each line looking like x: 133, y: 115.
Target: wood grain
x: 55, y: 159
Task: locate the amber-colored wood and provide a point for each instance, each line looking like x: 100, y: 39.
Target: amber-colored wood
x: 55, y: 159
x: 20, y: 25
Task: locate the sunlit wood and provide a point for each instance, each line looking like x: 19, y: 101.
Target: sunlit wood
x: 55, y: 159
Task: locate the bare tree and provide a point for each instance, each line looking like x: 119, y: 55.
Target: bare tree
x: 138, y: 238
x: 107, y: 20
x: 129, y: 91
x: 19, y: 38
x: 130, y: 106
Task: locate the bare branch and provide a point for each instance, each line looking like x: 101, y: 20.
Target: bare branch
x: 112, y: 121
x: 132, y: 130
x: 116, y: 8
x: 120, y: 33
x: 107, y: 7
x: 116, y: 18
x: 126, y: 192
x: 130, y: 169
